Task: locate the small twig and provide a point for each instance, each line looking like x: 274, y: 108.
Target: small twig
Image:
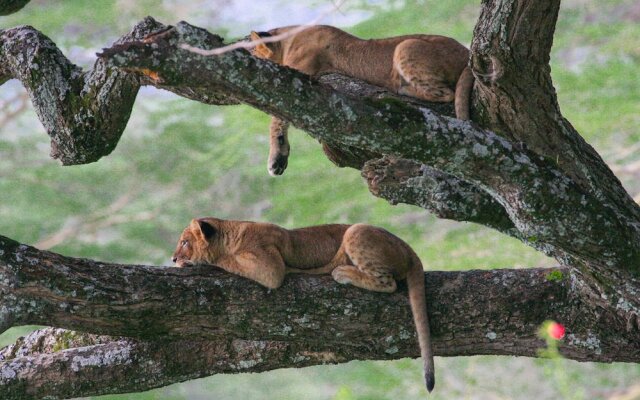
x: 253, y: 43
x: 99, y: 220
x: 623, y: 152
x: 629, y: 168
x: 21, y: 99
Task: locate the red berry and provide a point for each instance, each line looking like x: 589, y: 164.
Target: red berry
x: 556, y: 330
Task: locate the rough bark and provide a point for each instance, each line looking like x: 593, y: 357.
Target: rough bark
x: 521, y: 169
x: 84, y: 112
x: 198, y: 321
x: 406, y: 181
x: 514, y: 94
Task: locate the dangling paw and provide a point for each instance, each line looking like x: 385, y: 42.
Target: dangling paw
x: 277, y: 164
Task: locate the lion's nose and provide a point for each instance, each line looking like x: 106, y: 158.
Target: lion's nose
x: 174, y: 259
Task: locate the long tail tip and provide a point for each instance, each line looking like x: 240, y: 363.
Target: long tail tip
x: 430, y: 381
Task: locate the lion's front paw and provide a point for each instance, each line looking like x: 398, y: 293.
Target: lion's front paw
x: 183, y: 263
x: 277, y: 164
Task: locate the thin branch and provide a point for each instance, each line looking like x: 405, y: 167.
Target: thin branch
x: 250, y: 44
x: 13, y: 107
x: 79, y: 226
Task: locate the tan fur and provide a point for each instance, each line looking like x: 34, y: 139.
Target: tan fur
x: 362, y: 255
x: 428, y: 67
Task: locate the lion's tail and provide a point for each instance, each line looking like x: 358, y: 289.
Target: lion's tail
x: 415, y: 282
x: 463, y: 93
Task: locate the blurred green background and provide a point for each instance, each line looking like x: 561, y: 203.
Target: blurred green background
x: 179, y: 159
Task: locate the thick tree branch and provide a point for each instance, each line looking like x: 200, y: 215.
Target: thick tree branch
x: 40, y: 287
x: 406, y: 181
x: 213, y: 316
x: 79, y: 364
x: 84, y: 113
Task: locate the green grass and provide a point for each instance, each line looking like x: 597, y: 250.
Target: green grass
x: 86, y: 23
x: 455, y: 19
x: 603, y: 100
x: 53, y: 18
x: 12, y: 334
x: 475, y: 377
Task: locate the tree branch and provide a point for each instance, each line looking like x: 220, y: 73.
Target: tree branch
x: 79, y: 364
x: 221, y: 323
x: 40, y: 287
x: 60, y: 93
x: 84, y: 113
x: 406, y: 181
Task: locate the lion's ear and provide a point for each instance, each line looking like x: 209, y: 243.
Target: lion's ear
x: 254, y: 35
x: 203, y: 230
x: 261, y: 49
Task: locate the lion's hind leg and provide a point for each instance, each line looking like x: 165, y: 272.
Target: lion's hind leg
x: 376, y: 256
x: 420, y: 76
x: 369, y: 278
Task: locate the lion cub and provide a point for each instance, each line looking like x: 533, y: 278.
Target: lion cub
x: 428, y: 67
x: 362, y: 255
